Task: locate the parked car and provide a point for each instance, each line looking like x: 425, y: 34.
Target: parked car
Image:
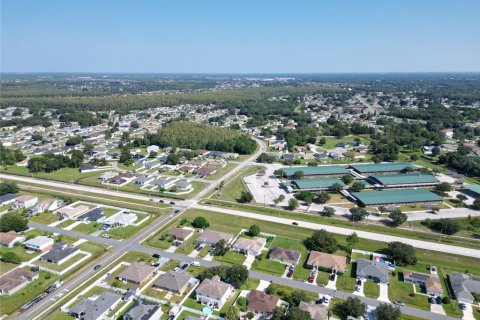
x: 161, y: 201
x: 156, y: 255
x: 438, y: 299
x: 289, y: 273
x: 357, y: 288
x: 332, y: 277
x: 172, y: 203
x: 195, y: 263
x: 295, y: 223
x: 326, y: 299
x: 463, y: 306
x: 359, y: 282
x: 311, y: 278
x: 398, y: 303
x: 431, y: 300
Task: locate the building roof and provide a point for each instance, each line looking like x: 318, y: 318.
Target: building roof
x: 59, y: 252
x: 121, y: 218
x: 93, y: 215
x: 285, y: 255
x: 262, y: 302
x: 404, y: 178
x: 8, y: 197
x: 463, y: 286
x: 317, y: 311
x: 25, y: 198
x: 213, y: 287
x: 7, y: 237
x: 372, y: 269
x: 94, y: 309
x: 137, y: 272
x: 214, y: 236
x: 142, y: 310
x: 396, y: 196
x: 474, y: 188
x: 180, y: 233
x: 319, y: 170
x: 381, y: 167
x: 39, y: 241
x: 72, y: 212
x: 256, y: 244
x: 173, y: 281
x: 317, y: 183
x: 15, y: 278
x: 326, y: 260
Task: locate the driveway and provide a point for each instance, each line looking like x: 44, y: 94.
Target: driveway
x: 437, y: 308
x: 468, y: 312
x: 332, y: 284
x: 360, y: 293
x: 248, y: 262
x: 263, y: 285
x: 383, y: 292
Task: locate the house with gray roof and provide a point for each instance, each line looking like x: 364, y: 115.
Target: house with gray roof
x: 94, y: 215
x: 463, y: 285
x: 183, y: 185
x: 93, y: 309
x: 59, y: 253
x: 286, y: 256
x: 142, y: 180
x: 175, y: 282
x: 143, y: 310
x: 373, y: 270
x: 212, y: 237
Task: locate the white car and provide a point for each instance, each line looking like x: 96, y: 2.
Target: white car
x: 326, y: 299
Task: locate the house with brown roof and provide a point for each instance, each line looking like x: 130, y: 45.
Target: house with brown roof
x: 429, y: 282
x: 16, y: 280
x: 205, y: 171
x: 186, y: 169
x: 25, y: 201
x: 180, y: 234
x: 261, y: 303
x: 250, y: 247
x: 212, y: 237
x: 137, y: 272
x: 327, y: 261
x: 175, y: 282
x: 316, y: 311
x: 286, y: 256
x: 8, y: 239
x: 213, y: 292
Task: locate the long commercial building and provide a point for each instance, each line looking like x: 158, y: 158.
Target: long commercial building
x: 315, y: 184
x: 381, y: 168
x: 397, y: 197
x: 318, y: 171
x: 403, y: 180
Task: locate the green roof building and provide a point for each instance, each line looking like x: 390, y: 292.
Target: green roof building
x: 403, y: 180
x: 474, y: 188
x: 397, y: 197
x: 381, y: 168
x: 332, y: 171
x: 315, y: 184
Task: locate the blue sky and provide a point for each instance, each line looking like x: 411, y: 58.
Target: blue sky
x: 260, y: 36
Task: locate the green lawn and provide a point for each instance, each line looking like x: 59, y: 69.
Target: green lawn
x: 402, y: 291
x: 20, y: 251
x: 233, y: 190
x: 130, y: 231
x: 269, y: 266
x: 205, y: 250
x: 45, y: 218
x: 88, y: 228
x: 5, y: 267
x: 231, y: 257
x: 371, y: 289
x: 220, y: 172
x: 64, y: 174
x: 322, y: 277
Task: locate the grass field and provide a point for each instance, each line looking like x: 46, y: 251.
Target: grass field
x: 231, y: 257
x: 233, y: 190
x: 45, y: 218
x: 402, y: 291
x: 220, y: 172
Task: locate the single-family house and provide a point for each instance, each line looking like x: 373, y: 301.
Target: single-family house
x: 175, y: 282
x: 120, y: 220
x: 180, y: 234
x: 186, y: 169
x: 94, y: 309
x: 463, y: 285
x: 143, y: 310
x: 251, y: 247
x: 183, y: 185
x: 107, y: 176
x: 261, y: 303
x: 8, y: 198
x: 327, y: 261
x: 213, y: 292
x: 72, y: 212
x: 316, y: 311
x: 39, y: 243
x: 137, y: 273
x: 430, y: 282
x: 59, y: 253
x: 286, y: 256
x: 205, y: 171
x: 212, y: 237
x: 16, y: 280
x: 163, y: 183
x: 94, y: 215
x: 45, y: 206
x: 374, y: 270
x: 25, y: 201
x: 8, y: 239
x: 142, y: 180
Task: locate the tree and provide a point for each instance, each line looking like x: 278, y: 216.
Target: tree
x: 200, y: 222
x: 322, y: 141
x: 352, y: 240
x: 173, y: 158
x: 11, y: 257
x: 322, y: 197
x: 72, y: 141
x: 476, y: 205
x: 386, y: 311
x: 8, y: 187
x: 12, y: 221
x: 323, y: 241
x: 414, y: 157
x: 295, y: 313
x: 134, y: 125
x: 242, y: 303
x: 306, y: 196
x: 350, y: 307
x: 245, y: 197
x: 298, y: 175
x: 403, y: 254
x: 461, y: 197
x: 221, y: 248
x: 37, y: 136
x: 292, y: 204
x: 443, y: 187
x: 254, y: 230
x: 347, y: 179
x: 435, y: 151
x: 153, y: 154
x: 336, y: 187
x: 76, y: 159
x: 125, y: 156
x: 236, y: 275
x: 447, y: 226
x: 328, y: 211
x: 358, y: 214
x: 397, y: 217
x: 357, y: 186
x: 232, y: 314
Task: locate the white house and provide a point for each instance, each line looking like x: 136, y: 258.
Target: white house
x: 25, y: 202
x: 120, y: 220
x: 40, y: 243
x: 213, y: 292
